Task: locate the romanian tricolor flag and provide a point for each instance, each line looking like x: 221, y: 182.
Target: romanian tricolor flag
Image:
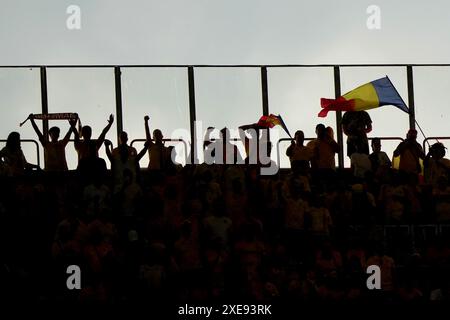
x: 371, y: 95
x: 271, y: 121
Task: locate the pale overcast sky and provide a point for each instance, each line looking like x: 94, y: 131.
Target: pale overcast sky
x: 219, y: 32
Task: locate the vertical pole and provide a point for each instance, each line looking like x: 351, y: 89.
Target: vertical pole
x: 192, y: 116
x: 265, y: 95
x: 118, y: 87
x: 44, y: 101
x: 340, y: 140
x: 265, y: 98
x: 412, y: 110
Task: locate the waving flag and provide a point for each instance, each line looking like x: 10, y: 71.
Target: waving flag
x: 371, y: 95
x: 271, y: 121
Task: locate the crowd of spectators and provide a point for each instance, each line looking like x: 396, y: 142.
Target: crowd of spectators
x: 220, y: 231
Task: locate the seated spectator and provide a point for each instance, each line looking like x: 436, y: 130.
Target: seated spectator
x: 329, y: 260
x: 54, y: 150
x: 393, y: 199
x: 363, y: 204
x: 295, y: 209
x: 130, y: 195
x: 14, y: 161
x: 96, y: 197
x: 319, y: 216
x: 409, y: 291
x: 187, y: 249
x: 387, y: 267
x: 236, y: 202
x: 441, y: 195
x: 217, y: 227
x: 442, y: 293
x: 435, y: 164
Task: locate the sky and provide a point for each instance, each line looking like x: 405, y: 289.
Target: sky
x: 254, y: 32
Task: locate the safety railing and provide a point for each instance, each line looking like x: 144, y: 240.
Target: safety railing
x: 426, y: 141
x: 186, y: 156
x: 38, y: 157
x: 411, y: 230
x: 265, y: 108
x: 309, y: 139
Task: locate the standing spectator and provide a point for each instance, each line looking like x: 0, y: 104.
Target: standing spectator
x: 410, y: 153
x: 323, y: 150
x: 379, y: 159
x: 158, y: 153
x: 123, y: 158
x: 54, y: 150
x: 435, y: 164
x: 356, y: 125
x: 297, y: 151
x: 13, y: 158
x: 89, y: 163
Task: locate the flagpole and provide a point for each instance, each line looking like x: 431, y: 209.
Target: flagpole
x: 418, y: 126
x: 417, y: 123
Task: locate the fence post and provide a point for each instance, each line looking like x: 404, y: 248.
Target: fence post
x: 340, y: 139
x: 192, y: 115
x: 44, y: 101
x: 412, y: 110
x: 118, y: 88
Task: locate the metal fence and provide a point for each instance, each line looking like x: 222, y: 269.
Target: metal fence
x: 265, y: 108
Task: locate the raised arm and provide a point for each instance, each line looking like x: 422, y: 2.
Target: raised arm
x: 108, y: 150
x: 102, y: 136
x: 148, y: 136
x: 143, y: 151
x: 72, y: 128
x: 147, y: 129
x: 36, y: 129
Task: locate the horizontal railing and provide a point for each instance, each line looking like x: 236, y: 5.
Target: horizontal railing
x: 38, y: 157
x: 167, y: 140
x: 265, y: 109
x: 426, y: 141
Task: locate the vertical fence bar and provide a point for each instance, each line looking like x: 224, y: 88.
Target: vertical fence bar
x: 44, y: 100
x: 265, y: 94
x: 340, y: 139
x: 412, y: 110
x: 118, y: 88
x: 192, y: 115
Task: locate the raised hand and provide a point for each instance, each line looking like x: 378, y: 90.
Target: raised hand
x: 146, y: 118
x: 111, y: 118
x: 73, y: 122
